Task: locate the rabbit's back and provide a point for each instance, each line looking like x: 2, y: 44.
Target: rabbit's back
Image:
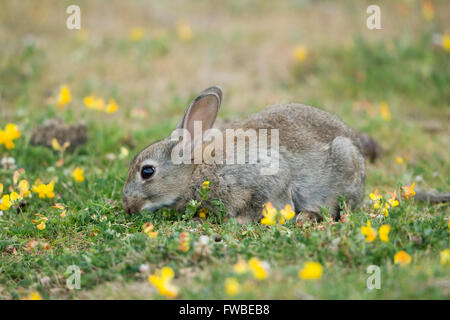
x: 323, y: 155
x: 301, y: 127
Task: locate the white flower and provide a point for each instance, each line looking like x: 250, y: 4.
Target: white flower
x: 203, y: 240
x: 45, y: 281
x: 202, y: 247
x: 265, y: 265
x: 8, y: 163
x: 123, y: 153
x: 111, y: 156
x: 143, y: 268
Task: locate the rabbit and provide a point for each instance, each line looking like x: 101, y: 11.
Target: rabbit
x: 319, y: 159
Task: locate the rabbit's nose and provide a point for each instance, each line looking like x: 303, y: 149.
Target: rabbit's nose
x: 125, y: 205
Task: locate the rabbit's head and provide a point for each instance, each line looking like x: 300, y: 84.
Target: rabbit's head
x: 154, y: 180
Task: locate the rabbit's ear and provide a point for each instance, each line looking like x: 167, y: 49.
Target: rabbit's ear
x: 204, y: 108
x: 215, y: 89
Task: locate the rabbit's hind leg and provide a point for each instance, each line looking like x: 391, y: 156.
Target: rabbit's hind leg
x: 304, y: 211
x: 283, y: 199
x: 348, y: 173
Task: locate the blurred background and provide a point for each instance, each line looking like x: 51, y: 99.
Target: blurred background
x: 129, y: 73
x: 152, y: 57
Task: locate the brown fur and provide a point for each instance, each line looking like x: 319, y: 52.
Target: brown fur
x: 320, y: 160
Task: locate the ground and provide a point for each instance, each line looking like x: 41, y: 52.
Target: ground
x: 152, y: 58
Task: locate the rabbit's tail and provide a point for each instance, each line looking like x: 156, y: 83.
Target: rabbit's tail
x: 368, y: 146
x: 431, y: 197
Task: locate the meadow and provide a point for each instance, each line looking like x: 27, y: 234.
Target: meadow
x: 129, y: 74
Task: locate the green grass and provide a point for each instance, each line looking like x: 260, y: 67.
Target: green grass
x: 109, y: 246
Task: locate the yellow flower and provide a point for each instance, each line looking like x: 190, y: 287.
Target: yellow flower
x: 385, y: 209
x: 384, y: 206
x: 40, y: 221
x: 257, y: 268
x: 112, y: 106
x: 402, y: 258
x: 5, y: 203
x: 2, y: 137
x: 369, y: 232
x: 41, y: 226
x: 184, y: 241
x: 12, y: 130
x: 300, y: 53
x: 89, y: 101
x: 427, y: 10
x: 33, y: 296
x: 1, y: 189
x: 16, y: 175
x: 445, y: 257
x: 184, y: 31
x: 240, y: 267
x: 205, y: 185
x: 272, y: 216
x: 446, y: 42
x: 137, y: 33
x: 384, y: 232
x: 232, y: 286
x: 57, y: 147
x: 269, y: 213
x: 24, y: 188
x: 311, y: 271
x: 202, y: 213
x: 287, y: 213
x: 93, y: 102
x: 8, y: 135
x: 49, y: 190
x: 376, y: 198
x: 399, y: 160
x: 60, y: 207
x: 161, y: 279
x: 44, y: 190
x: 14, y: 196
x: 78, y: 174
x: 123, y: 153
x: 384, y: 111
x: 148, y: 229
x: 409, y: 191
x: 392, y: 202
x: 64, y: 97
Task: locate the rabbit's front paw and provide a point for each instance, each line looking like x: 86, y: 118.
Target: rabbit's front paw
x: 306, y: 216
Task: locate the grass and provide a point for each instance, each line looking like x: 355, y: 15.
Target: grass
x: 349, y: 71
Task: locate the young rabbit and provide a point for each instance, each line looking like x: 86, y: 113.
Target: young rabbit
x: 319, y: 159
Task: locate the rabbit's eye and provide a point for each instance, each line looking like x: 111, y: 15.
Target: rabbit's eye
x: 147, y: 172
